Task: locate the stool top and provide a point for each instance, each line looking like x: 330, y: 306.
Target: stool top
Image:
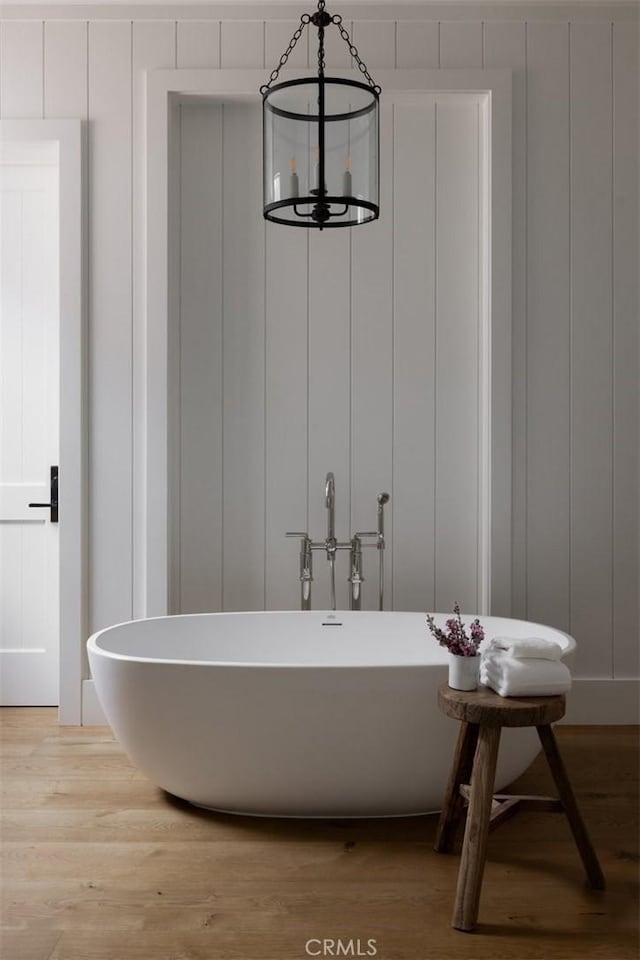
x: 483, y: 706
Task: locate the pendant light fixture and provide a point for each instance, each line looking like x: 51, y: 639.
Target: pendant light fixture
x: 321, y: 141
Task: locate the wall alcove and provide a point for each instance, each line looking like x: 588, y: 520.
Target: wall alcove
x: 370, y: 352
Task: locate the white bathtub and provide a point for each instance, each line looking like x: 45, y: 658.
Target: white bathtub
x: 292, y: 714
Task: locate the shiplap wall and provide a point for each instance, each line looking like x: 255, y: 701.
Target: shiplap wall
x: 575, y: 324
x: 355, y: 350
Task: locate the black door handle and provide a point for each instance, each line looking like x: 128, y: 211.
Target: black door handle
x: 53, y: 506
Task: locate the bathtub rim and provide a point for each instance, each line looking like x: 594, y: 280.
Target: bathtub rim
x: 93, y: 643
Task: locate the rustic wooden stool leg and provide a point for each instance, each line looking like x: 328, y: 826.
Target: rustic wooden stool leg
x: 474, y: 847
x: 580, y: 835
x: 460, y: 773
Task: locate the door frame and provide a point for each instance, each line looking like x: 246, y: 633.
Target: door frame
x: 164, y: 90
x: 72, y: 415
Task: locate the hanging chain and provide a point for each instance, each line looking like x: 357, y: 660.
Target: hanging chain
x: 304, y: 20
x: 353, y: 50
x: 321, y: 63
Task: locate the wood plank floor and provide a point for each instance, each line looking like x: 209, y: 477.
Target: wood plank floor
x: 99, y: 864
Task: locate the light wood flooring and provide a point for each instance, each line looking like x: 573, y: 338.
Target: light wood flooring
x: 99, y: 864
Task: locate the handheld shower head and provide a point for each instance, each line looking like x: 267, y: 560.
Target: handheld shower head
x: 382, y: 499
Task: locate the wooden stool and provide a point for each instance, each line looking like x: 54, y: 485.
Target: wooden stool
x: 483, y: 714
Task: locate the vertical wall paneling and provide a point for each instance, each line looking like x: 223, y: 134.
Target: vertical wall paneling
x: 243, y: 352
x: 366, y: 372
x: 329, y: 398
x: 414, y: 357
x: 154, y: 46
x: 504, y: 46
x: 201, y: 372
x: 66, y: 96
x: 198, y: 44
x: 21, y: 78
x: 110, y: 308
x: 561, y: 216
x: 625, y: 357
x: 591, y: 346
x: 460, y: 44
x: 286, y: 410
x: 242, y: 44
x: 376, y: 43
x: 372, y: 364
x: 65, y: 69
x: 495, y: 353
x: 457, y: 340
x: 278, y: 34
x: 174, y: 471
x: 548, y: 336
x: 65, y: 86
x: 418, y: 44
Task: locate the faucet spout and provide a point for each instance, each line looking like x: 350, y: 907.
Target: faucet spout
x: 331, y: 543
x: 330, y: 503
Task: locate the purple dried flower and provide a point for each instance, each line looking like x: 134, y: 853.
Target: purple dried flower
x: 454, y: 638
x: 439, y: 634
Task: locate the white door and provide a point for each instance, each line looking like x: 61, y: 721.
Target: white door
x: 29, y: 414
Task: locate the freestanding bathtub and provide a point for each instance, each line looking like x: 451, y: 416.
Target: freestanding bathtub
x: 312, y: 714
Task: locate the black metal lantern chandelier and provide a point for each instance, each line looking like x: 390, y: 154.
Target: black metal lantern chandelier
x: 321, y: 141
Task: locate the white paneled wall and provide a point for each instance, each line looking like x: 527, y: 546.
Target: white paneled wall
x: 110, y: 297
x: 199, y: 566
x: 301, y: 354
x: 575, y: 320
x: 505, y: 46
x: 591, y: 338
x: 414, y: 372
x: 154, y: 44
x: 243, y: 355
x: 457, y: 316
x: 548, y: 315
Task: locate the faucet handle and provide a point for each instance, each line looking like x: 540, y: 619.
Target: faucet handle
x: 367, y: 533
x: 300, y: 536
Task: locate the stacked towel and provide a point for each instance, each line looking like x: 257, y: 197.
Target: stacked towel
x: 524, y: 668
x: 526, y: 648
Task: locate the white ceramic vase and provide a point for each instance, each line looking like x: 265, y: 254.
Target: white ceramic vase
x: 464, y: 672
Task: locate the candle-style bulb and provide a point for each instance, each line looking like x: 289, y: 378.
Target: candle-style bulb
x: 347, y: 180
x: 294, y: 185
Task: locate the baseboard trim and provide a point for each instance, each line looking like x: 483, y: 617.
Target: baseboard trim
x: 92, y: 712
x: 593, y: 701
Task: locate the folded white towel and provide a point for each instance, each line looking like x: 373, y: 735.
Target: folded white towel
x: 509, y: 687
x: 526, y: 648
x: 514, y: 677
x: 502, y: 660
